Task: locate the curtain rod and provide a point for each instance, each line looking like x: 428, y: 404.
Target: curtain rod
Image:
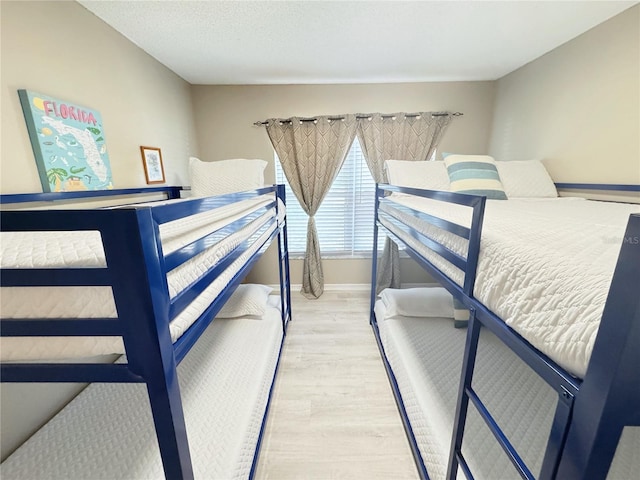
x: 410, y: 115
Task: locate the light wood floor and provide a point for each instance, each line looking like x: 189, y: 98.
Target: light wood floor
x: 333, y: 414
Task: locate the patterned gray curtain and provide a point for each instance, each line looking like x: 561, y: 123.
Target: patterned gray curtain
x: 399, y: 136
x: 311, y: 153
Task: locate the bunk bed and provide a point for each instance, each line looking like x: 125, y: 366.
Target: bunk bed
x: 145, y: 280
x: 579, y: 397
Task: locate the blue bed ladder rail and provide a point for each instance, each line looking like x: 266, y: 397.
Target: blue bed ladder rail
x: 285, y: 306
x: 590, y: 415
x: 467, y: 264
x: 609, y: 402
x: 142, y: 319
x: 283, y: 265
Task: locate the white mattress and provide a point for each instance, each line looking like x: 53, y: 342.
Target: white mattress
x: 426, y: 355
x: 107, y: 431
x: 84, y: 249
x: 545, y: 266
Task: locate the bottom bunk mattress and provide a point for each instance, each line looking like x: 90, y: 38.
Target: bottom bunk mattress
x: 426, y: 355
x: 107, y: 431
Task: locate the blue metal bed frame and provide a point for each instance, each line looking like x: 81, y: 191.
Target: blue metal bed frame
x: 590, y: 413
x: 136, y: 271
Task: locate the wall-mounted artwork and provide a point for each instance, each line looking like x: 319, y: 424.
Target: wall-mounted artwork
x: 152, y: 161
x: 68, y: 144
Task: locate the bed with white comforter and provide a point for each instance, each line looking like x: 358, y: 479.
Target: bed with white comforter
x: 84, y: 249
x: 545, y: 265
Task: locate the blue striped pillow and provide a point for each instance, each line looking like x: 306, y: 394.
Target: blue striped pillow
x: 476, y: 175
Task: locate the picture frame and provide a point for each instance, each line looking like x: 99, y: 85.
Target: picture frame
x: 153, y: 167
x: 68, y: 143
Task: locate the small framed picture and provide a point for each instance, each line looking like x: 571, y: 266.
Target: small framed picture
x: 152, y: 161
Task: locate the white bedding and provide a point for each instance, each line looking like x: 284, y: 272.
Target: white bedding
x: 84, y: 249
x: 545, y: 266
x: 107, y: 431
x: 426, y: 355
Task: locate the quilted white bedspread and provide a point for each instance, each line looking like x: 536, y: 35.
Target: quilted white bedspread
x: 107, y: 431
x: 426, y: 357
x: 84, y: 249
x: 545, y: 266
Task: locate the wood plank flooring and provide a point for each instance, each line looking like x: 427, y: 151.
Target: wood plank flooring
x: 333, y: 414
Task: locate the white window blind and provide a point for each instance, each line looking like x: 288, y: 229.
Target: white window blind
x: 345, y: 219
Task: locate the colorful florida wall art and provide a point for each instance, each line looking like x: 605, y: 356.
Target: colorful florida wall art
x: 68, y: 143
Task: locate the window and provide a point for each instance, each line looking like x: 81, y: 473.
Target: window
x: 345, y: 219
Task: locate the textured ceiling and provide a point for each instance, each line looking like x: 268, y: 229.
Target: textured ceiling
x: 280, y: 42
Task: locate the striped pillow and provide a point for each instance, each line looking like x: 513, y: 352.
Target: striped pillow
x: 476, y: 175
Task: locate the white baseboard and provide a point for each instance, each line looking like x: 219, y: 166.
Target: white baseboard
x: 348, y: 287
x: 351, y: 287
x: 332, y: 287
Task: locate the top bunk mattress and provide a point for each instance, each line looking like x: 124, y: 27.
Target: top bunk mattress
x: 545, y: 266
x: 84, y: 249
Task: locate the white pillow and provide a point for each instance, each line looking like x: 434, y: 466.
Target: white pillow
x: 274, y: 301
x: 428, y: 175
x: 225, y: 176
x: 417, y: 302
x: 248, y: 300
x: 526, y: 179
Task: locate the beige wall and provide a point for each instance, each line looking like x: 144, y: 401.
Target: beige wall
x: 577, y: 107
x: 61, y: 49
x: 224, y: 123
